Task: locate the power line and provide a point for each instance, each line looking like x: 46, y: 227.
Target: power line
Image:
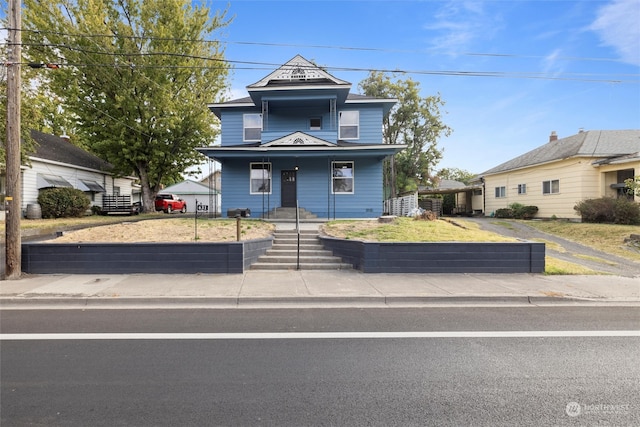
x: 319, y: 46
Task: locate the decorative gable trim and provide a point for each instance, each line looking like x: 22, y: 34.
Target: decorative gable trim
x: 298, y: 70
x: 298, y: 139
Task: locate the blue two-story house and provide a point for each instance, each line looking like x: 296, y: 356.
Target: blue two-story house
x: 301, y: 137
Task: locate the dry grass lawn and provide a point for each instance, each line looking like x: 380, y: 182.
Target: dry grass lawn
x: 411, y: 230
x: 169, y: 230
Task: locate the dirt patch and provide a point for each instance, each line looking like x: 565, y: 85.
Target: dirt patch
x: 168, y: 230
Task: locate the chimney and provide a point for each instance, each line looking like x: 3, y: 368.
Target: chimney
x: 580, y: 130
x: 553, y: 136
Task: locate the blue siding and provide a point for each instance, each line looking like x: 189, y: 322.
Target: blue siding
x: 283, y: 121
x: 370, y: 123
x: 314, y: 188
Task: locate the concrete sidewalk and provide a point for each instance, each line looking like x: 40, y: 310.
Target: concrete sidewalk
x: 312, y: 288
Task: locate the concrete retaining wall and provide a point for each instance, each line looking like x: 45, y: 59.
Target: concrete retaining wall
x: 128, y: 258
x: 375, y: 257
x: 236, y: 257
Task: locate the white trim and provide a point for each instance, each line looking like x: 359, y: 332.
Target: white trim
x: 298, y: 139
x: 314, y: 335
x: 352, y: 177
x: 244, y: 127
x: 356, y: 124
x: 269, y: 177
x: 262, y: 148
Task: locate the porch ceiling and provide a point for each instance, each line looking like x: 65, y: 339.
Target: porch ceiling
x: 236, y: 152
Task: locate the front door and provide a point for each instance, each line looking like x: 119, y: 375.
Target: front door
x: 288, y: 195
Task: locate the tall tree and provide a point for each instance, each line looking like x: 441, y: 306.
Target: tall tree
x: 31, y: 114
x: 135, y: 76
x: 456, y: 174
x: 415, y: 121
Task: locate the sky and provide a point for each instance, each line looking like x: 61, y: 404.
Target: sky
x: 510, y: 71
x: 555, y: 65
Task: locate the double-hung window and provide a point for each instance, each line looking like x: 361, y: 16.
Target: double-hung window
x: 501, y: 192
x: 260, y: 177
x: 522, y: 188
x: 349, y: 125
x: 342, y: 180
x: 551, y: 187
x: 252, y: 127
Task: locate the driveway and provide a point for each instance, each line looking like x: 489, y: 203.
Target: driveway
x: 574, y: 252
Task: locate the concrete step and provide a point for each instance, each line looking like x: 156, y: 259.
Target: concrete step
x: 290, y: 213
x: 294, y: 252
x: 279, y: 241
x: 317, y: 247
x: 303, y: 259
x: 303, y: 266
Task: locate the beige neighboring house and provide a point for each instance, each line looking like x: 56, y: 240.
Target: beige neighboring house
x: 557, y: 175
x: 58, y: 163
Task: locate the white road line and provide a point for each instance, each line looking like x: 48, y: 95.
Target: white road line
x: 316, y: 335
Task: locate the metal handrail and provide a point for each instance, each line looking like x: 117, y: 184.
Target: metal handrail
x: 298, y: 233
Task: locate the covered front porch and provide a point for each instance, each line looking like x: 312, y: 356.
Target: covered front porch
x: 325, y: 181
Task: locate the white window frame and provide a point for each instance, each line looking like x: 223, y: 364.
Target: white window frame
x: 501, y: 192
x: 551, y: 186
x: 522, y: 189
x: 247, y: 126
x: 337, y: 177
x: 348, y: 120
x: 264, y: 166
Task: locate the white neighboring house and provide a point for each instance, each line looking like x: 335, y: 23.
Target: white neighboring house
x: 208, y: 198
x: 58, y: 163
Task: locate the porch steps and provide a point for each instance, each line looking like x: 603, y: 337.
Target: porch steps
x: 289, y: 213
x: 283, y: 255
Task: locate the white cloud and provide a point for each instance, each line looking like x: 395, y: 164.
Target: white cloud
x: 458, y: 24
x: 617, y: 25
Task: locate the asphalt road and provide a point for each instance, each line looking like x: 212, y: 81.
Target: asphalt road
x: 471, y: 366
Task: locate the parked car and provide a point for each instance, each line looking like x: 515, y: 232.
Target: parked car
x: 169, y: 203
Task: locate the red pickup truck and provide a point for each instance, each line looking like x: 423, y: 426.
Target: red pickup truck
x: 169, y: 203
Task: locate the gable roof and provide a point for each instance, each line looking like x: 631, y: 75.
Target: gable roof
x: 297, y: 71
x: 56, y: 149
x: 598, y: 144
x: 188, y: 187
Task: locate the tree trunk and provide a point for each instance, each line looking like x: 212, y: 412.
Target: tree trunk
x: 148, y: 195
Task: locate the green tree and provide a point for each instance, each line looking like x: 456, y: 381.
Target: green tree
x: 31, y: 116
x: 456, y: 174
x: 134, y: 79
x: 415, y: 121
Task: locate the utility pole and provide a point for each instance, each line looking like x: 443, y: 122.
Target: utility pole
x: 14, y: 193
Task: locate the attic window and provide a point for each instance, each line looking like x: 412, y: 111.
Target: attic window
x: 315, y: 123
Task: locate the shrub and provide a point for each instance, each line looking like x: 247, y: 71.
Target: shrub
x: 626, y: 212
x: 609, y: 210
x: 596, y: 210
x: 523, y: 212
x: 62, y: 202
x: 517, y: 211
x: 504, y: 213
